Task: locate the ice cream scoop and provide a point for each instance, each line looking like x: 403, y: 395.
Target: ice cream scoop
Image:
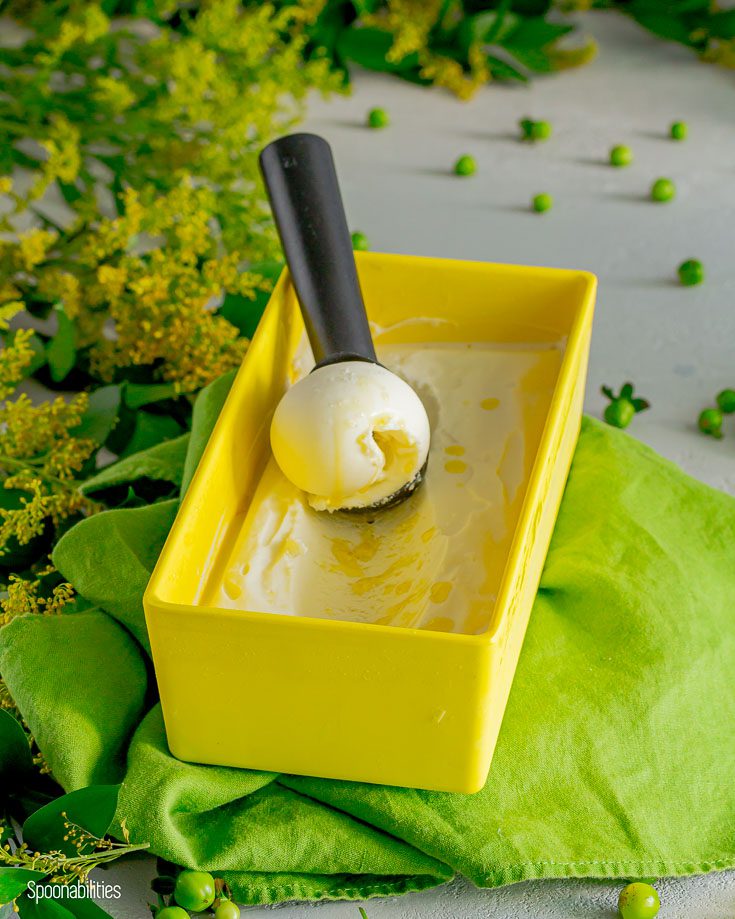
x: 351, y: 434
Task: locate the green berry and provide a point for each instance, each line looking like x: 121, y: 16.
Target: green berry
x: 465, y: 166
x: 663, y: 190
x: 726, y: 401
x: 172, y: 912
x: 620, y: 413
x: 621, y: 156
x: 638, y: 901
x: 542, y: 202
x: 691, y: 272
x: 710, y: 422
x: 526, y: 126
x: 623, y: 407
x: 534, y: 130
x: 227, y: 910
x: 679, y: 130
x: 195, y: 890
x: 378, y: 118
x: 360, y: 242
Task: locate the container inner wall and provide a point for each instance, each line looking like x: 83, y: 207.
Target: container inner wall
x: 436, y: 561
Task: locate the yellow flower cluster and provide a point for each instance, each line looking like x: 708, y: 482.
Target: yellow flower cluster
x: 112, y: 94
x: 160, y: 300
x: 18, y: 352
x: 720, y: 51
x: 171, y: 125
x: 85, y: 24
x: 32, y: 248
x: 64, y: 158
x: 40, y: 458
x: 23, y: 597
x: 409, y: 22
x: 14, y: 360
x: 60, y: 286
x: 446, y: 72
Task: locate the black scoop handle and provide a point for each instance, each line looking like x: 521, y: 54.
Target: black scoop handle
x: 302, y: 186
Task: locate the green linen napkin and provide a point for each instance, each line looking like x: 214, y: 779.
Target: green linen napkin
x: 617, y: 751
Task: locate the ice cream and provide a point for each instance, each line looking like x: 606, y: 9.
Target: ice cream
x: 350, y: 435
x: 436, y: 561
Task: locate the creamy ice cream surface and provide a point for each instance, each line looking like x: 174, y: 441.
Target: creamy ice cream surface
x: 350, y: 435
x: 436, y: 560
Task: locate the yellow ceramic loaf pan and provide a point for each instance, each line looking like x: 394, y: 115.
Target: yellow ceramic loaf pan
x: 341, y: 699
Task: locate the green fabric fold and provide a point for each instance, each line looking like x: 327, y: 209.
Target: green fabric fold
x: 80, y: 682
x: 616, y: 754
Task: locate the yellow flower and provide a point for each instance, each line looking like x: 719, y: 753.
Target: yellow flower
x: 93, y: 21
x: 6, y: 185
x: 9, y: 309
x: 15, y: 358
x: 23, y: 596
x: 112, y: 94
x: 62, y: 286
x: 64, y: 158
x: 446, y: 72
x: 33, y: 247
x: 410, y: 22
x: 112, y: 280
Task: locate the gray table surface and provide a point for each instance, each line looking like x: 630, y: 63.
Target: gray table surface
x: 675, y: 343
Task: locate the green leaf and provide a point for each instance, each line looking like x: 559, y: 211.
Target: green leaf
x: 204, y: 417
x: 138, y: 394
x: 92, y: 808
x: 534, y: 34
x: 101, y: 415
x: 244, y: 312
x: 69, y: 192
x: 363, y: 7
x: 369, y: 48
x: 61, y: 351
x: 535, y: 60
x: 13, y: 881
x: 530, y: 8
x: 109, y: 559
x: 151, y: 429
x: 162, y: 462
x: 502, y: 70
x: 83, y: 907
x: 722, y: 24
x: 43, y: 909
x: 15, y: 755
x: 486, y: 28
x: 664, y: 25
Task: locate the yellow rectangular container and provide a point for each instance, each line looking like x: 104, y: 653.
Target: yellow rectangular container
x: 349, y: 700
